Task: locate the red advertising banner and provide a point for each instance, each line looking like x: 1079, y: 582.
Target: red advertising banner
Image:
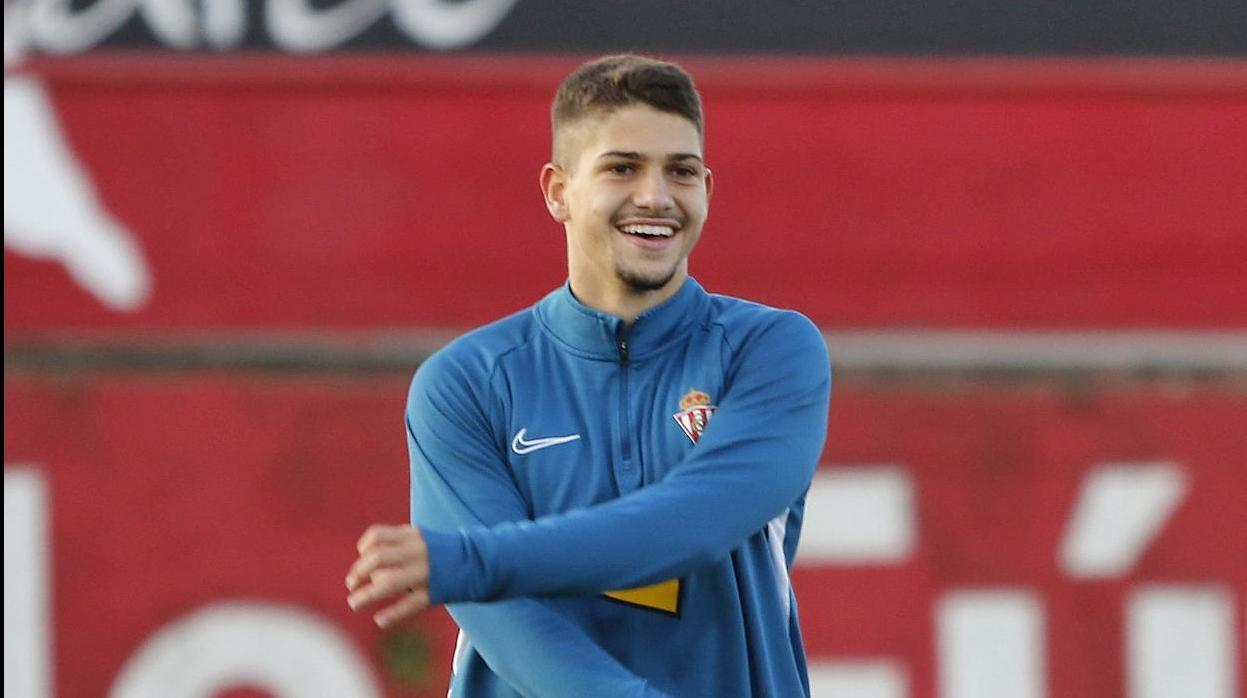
x: 364, y: 192
x: 203, y: 513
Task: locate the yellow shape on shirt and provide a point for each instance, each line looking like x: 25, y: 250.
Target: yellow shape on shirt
x: 663, y: 596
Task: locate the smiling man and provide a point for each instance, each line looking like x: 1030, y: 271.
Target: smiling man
x: 607, y: 488
x: 632, y: 190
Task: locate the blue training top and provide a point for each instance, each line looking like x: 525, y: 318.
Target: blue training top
x: 613, y: 510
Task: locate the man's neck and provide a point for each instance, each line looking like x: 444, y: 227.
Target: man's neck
x: 614, y: 299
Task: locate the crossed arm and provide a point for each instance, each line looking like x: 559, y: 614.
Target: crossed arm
x: 473, y: 535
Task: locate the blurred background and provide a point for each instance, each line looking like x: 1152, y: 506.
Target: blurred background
x: 233, y: 229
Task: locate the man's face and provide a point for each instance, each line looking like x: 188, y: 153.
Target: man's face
x: 633, y: 196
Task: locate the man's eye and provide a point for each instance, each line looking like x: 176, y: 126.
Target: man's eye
x: 683, y: 172
x: 621, y: 169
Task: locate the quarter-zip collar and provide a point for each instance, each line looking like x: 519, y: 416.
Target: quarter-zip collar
x: 597, y: 335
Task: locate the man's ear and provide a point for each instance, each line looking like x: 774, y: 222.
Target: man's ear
x: 554, y: 189
x: 709, y: 183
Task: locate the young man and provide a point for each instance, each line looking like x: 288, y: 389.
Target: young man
x: 607, y: 488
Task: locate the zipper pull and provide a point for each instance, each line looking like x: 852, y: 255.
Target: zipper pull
x: 623, y: 351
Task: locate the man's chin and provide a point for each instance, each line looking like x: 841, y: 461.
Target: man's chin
x: 645, y: 282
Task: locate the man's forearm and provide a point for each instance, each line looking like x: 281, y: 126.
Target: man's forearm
x: 694, y: 517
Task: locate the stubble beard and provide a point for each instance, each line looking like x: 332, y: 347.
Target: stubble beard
x: 638, y: 281
x: 642, y: 283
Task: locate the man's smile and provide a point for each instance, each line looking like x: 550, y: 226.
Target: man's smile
x: 648, y: 230
x: 650, y: 234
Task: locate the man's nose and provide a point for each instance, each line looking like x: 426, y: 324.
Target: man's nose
x: 653, y: 193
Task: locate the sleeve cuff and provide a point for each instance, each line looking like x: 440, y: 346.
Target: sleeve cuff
x: 449, y: 568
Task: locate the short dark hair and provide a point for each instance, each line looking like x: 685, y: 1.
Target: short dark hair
x: 611, y: 82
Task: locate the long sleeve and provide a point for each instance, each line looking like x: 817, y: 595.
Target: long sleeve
x: 755, y: 459
x: 458, y: 479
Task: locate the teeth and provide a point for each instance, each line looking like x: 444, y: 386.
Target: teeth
x: 637, y: 229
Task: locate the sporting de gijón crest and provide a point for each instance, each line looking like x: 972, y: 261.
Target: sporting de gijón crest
x: 695, y: 412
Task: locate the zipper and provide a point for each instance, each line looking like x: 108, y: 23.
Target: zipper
x: 625, y: 434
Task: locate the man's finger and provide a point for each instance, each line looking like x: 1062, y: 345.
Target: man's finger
x: 388, y: 582
x: 411, y: 604
x: 387, y: 586
x: 411, y: 553
x: 371, y: 562
x: 378, y: 534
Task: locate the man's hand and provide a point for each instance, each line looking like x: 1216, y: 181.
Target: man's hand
x: 393, y: 562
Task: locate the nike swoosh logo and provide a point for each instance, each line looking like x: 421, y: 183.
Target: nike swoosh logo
x: 521, y: 446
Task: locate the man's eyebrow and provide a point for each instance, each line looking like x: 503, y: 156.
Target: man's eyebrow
x: 634, y: 155
x: 623, y: 154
